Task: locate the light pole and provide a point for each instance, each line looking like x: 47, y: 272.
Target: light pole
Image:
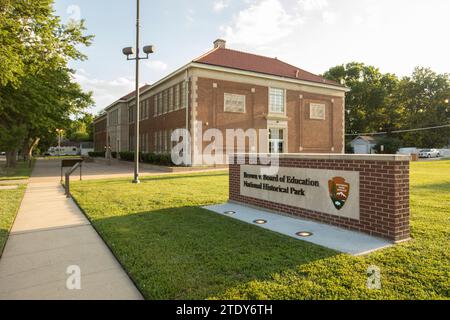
x: 59, y: 131
x: 128, y: 52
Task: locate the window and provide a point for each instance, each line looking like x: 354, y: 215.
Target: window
x: 131, y: 143
x: 160, y: 141
x: 144, y: 109
x: 171, y: 99
x: 276, y: 140
x: 234, y: 103
x: 276, y: 100
x: 114, y: 118
x: 177, y: 97
x: 165, y: 101
x: 131, y: 114
x: 160, y: 104
x: 183, y: 95
x: 155, y: 106
x: 164, y: 149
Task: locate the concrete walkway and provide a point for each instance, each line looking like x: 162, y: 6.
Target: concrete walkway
x: 49, y: 236
x: 339, y: 239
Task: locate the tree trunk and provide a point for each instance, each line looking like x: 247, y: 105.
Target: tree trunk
x: 29, y: 147
x: 11, y: 159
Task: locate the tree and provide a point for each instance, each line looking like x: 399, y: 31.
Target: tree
x: 81, y: 129
x: 422, y: 99
x: 37, y: 91
x: 369, y: 103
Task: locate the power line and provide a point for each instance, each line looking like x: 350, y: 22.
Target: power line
x: 398, y: 131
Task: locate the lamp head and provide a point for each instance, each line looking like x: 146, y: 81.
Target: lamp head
x: 128, y: 51
x: 149, y: 49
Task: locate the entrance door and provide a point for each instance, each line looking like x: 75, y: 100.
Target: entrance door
x: 276, y: 140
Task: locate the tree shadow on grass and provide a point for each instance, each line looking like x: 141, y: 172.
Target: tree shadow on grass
x: 431, y: 187
x: 3, y: 237
x: 192, y: 253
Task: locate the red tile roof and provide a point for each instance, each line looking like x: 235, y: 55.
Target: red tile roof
x: 250, y: 62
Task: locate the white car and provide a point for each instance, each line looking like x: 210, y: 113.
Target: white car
x: 429, y: 153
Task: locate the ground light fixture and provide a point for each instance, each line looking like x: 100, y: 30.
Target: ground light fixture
x: 304, y: 234
x: 229, y: 212
x: 260, y: 221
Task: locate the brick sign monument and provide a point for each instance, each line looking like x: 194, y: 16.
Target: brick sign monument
x: 366, y: 193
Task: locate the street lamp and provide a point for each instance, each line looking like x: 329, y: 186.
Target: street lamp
x: 129, y: 51
x: 59, y: 131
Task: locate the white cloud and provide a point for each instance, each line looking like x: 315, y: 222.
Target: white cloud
x: 190, y: 16
x: 261, y: 23
x: 329, y: 17
x: 220, y: 5
x: 358, y: 20
x: 156, y: 65
x: 105, y: 92
x: 310, y: 5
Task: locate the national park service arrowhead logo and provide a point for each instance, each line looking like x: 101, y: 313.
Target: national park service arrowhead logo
x: 339, y: 191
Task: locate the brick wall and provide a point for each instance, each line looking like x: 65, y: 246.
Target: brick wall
x: 384, y: 193
x: 302, y: 131
x: 100, y: 134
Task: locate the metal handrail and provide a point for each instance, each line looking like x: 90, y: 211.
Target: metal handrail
x: 67, y: 181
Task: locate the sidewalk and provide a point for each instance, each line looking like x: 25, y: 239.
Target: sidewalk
x: 51, y: 234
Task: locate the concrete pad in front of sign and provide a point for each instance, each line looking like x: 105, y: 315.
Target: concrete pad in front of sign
x: 339, y: 239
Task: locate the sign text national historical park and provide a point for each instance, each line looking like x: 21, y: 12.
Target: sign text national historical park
x: 327, y: 191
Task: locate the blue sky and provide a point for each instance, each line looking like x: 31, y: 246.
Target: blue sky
x: 394, y: 35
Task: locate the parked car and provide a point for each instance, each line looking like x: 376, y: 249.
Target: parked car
x: 429, y: 153
x: 408, y: 151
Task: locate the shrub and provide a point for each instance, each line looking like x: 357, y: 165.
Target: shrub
x: 349, y: 148
x: 97, y: 154
x: 114, y: 154
x: 158, y: 159
x: 127, y: 155
x: 390, y: 145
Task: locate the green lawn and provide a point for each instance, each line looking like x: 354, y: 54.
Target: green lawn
x: 21, y: 172
x: 9, y: 204
x: 175, y: 250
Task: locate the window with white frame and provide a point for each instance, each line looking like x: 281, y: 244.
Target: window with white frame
x: 114, y: 118
x: 165, y: 101
x: 131, y: 114
x: 171, y: 99
x: 177, y: 97
x: 164, y: 141
x: 276, y: 100
x: 276, y: 140
x: 160, y: 103
x: 155, y: 141
x: 160, y: 138
x: 183, y: 95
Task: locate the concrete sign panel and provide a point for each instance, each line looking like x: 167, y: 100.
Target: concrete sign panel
x: 332, y: 192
